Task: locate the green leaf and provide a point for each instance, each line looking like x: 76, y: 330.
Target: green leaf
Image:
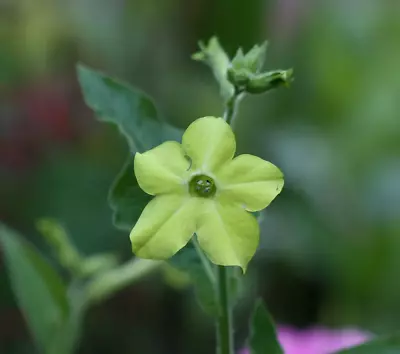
x: 39, y: 290
x: 262, y: 332
x: 126, y: 198
x: 117, y: 102
x: 67, y: 254
x: 202, y: 275
x: 188, y: 260
x: 137, y: 118
x: 389, y: 344
x: 215, y: 57
x: 56, y: 236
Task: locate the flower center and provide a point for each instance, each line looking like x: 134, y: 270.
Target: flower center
x: 202, y: 186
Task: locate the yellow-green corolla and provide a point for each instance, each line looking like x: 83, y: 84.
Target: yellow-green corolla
x: 200, y: 188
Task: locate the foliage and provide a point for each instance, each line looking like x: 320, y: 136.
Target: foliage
x: 262, y: 332
x: 40, y: 291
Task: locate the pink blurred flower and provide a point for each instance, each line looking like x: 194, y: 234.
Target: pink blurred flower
x: 317, y: 340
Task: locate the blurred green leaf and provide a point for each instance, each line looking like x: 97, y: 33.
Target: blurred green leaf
x: 67, y: 254
x: 137, y: 118
x: 172, y: 133
x: 215, y: 57
x: 98, y: 263
x: 126, y: 198
x: 117, y: 102
x: 262, y: 332
x: 56, y: 236
x: 40, y: 292
x: 201, y: 273
x: 188, y: 260
x: 389, y: 344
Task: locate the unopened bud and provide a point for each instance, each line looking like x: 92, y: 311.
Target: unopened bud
x: 268, y: 81
x: 238, y: 78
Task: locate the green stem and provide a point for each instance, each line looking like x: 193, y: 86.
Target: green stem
x: 224, y: 326
x: 108, y: 283
x: 231, y: 108
x: 208, y: 268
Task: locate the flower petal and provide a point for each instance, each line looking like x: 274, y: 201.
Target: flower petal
x: 227, y: 233
x: 250, y: 181
x: 162, y: 169
x: 209, y: 142
x: 165, y: 226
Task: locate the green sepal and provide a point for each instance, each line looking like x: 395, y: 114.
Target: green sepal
x: 245, y: 66
x: 216, y: 58
x: 252, y: 61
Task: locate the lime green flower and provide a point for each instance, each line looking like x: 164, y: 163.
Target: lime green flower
x: 200, y: 188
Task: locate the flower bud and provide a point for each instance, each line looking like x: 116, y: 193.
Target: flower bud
x: 267, y: 81
x: 238, y: 78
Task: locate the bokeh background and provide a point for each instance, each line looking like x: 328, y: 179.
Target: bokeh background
x: 330, y: 249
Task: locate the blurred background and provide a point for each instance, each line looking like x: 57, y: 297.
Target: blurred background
x: 330, y: 249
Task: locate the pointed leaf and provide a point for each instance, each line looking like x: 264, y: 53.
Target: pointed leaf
x: 263, y: 337
x: 117, y: 102
x: 137, y: 118
x: 389, y: 344
x: 39, y: 290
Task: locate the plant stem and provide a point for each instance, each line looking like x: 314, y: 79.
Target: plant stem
x: 108, y: 283
x: 224, y: 326
x: 208, y: 268
x: 231, y: 108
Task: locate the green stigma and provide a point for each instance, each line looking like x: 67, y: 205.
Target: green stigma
x: 202, y: 186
